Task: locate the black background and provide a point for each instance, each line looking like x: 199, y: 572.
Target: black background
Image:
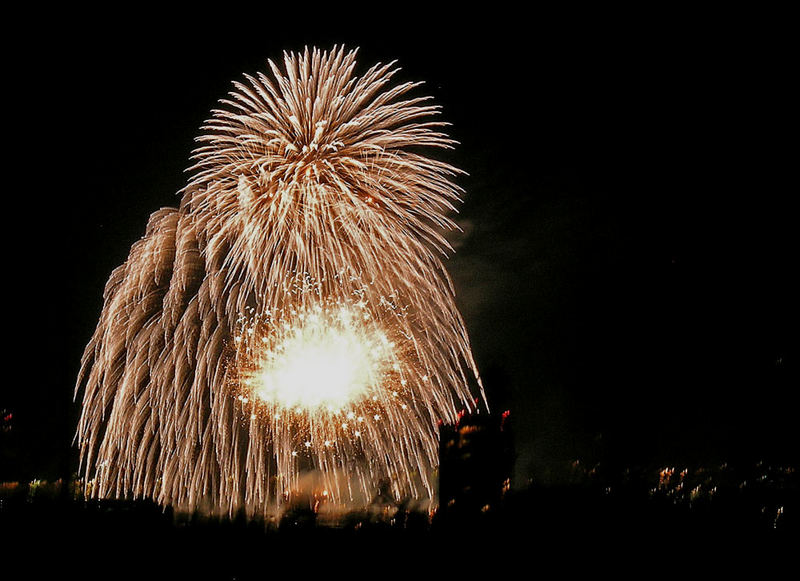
x: 626, y: 257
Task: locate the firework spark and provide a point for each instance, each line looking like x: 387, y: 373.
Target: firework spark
x: 293, y: 314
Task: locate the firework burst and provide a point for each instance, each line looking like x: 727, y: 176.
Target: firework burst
x: 293, y: 314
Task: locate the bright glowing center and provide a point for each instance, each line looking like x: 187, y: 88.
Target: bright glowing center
x: 321, y: 364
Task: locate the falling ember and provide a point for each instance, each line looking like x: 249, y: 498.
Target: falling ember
x: 292, y: 316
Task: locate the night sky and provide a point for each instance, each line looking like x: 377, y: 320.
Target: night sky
x: 624, y: 267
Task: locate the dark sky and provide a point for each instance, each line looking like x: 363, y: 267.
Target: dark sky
x: 624, y: 269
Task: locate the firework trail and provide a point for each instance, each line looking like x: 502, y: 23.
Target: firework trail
x: 293, y: 314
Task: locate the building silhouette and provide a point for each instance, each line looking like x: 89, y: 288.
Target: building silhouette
x: 476, y: 462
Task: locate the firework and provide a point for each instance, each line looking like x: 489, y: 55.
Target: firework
x: 293, y: 315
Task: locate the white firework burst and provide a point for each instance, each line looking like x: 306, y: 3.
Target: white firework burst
x: 293, y: 314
